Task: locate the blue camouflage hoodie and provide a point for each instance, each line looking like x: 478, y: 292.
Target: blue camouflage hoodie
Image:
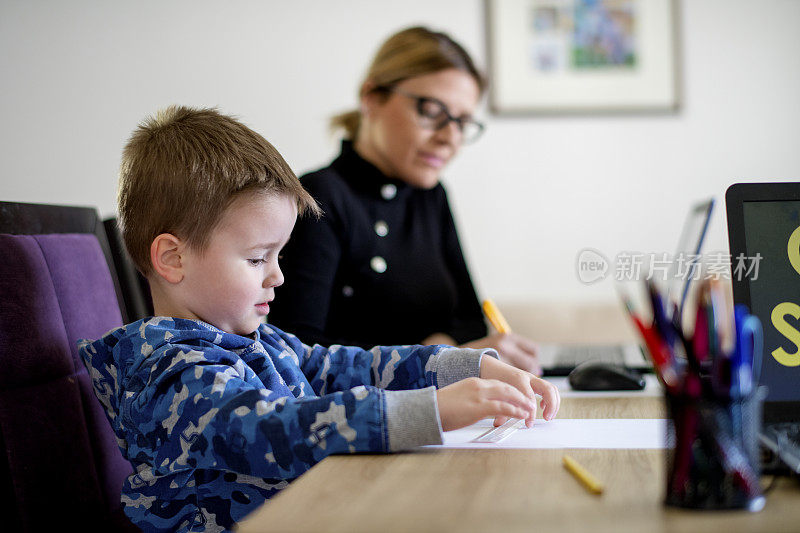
x: 215, y: 423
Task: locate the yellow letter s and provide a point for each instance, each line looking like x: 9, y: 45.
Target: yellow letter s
x: 786, y: 329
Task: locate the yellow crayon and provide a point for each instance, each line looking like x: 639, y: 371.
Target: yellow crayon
x: 583, y: 475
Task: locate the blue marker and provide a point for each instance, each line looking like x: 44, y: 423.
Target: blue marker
x: 746, y: 361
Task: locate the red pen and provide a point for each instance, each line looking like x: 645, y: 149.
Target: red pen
x: 659, y: 352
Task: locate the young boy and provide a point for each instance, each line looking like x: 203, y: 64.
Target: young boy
x: 216, y: 410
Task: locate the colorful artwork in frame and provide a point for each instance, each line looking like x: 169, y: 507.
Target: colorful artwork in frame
x: 583, y: 56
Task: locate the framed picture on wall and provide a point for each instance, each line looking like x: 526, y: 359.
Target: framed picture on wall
x: 583, y: 56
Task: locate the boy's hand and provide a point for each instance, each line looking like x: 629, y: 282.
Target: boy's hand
x: 526, y: 383
x: 472, y: 399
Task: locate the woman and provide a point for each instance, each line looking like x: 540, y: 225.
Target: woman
x: 387, y: 235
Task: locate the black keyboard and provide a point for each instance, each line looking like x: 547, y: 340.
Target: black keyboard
x: 784, y: 440
x: 789, y: 430
x: 568, y: 357
x: 575, y: 355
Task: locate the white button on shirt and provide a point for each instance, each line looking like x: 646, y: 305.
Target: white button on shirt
x: 378, y: 264
x: 381, y: 228
x: 388, y: 191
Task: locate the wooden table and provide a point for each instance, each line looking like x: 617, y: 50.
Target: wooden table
x: 508, y: 490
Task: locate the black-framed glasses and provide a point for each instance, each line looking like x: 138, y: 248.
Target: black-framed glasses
x: 433, y: 114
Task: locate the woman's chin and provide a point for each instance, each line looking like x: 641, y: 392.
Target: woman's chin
x: 426, y: 178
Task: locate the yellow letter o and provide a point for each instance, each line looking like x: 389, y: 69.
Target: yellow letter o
x: 793, y: 249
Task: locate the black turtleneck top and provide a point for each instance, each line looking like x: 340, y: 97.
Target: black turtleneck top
x: 382, y: 266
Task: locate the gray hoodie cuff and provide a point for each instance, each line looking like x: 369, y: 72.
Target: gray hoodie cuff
x: 412, y: 418
x: 455, y: 364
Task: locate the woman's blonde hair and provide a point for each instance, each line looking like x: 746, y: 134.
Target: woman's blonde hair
x: 411, y: 52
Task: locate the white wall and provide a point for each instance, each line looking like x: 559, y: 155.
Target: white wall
x: 78, y: 76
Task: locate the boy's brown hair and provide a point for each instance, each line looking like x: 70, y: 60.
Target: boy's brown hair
x: 183, y: 167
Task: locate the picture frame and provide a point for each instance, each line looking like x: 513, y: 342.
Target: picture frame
x: 583, y: 56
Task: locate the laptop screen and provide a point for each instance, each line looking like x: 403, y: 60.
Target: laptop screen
x: 690, y: 244
x: 764, y: 233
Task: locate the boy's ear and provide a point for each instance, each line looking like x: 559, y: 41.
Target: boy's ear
x: 165, y: 256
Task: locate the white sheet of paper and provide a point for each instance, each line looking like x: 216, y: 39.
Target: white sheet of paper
x: 568, y: 433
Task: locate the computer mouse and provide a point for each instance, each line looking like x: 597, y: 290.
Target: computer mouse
x: 599, y: 375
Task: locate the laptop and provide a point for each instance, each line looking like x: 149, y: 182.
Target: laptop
x: 764, y: 237
x: 560, y: 359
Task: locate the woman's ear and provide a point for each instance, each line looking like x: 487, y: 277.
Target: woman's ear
x: 165, y: 256
x: 367, y: 97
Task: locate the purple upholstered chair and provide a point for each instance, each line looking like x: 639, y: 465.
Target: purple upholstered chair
x: 60, y: 464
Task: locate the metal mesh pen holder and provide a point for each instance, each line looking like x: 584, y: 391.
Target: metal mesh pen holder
x: 712, y: 452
